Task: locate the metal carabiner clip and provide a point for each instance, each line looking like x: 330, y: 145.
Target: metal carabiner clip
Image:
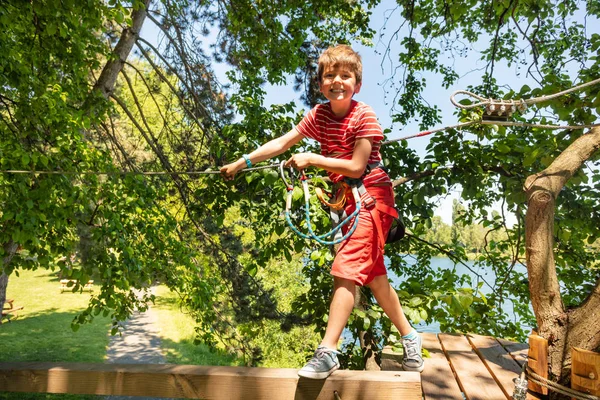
x: 282, y: 174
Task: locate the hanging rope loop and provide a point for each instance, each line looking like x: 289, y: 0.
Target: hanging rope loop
x: 311, y: 234
x: 493, y: 108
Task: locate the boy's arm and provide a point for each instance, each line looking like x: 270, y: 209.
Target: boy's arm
x: 266, y: 151
x: 353, y: 168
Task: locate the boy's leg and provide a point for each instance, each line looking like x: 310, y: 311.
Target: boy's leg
x: 387, y: 298
x: 340, y: 309
x: 325, y: 361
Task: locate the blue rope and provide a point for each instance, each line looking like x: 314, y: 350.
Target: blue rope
x: 319, y: 238
x: 311, y: 234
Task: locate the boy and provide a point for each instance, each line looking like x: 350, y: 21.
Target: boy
x: 350, y: 137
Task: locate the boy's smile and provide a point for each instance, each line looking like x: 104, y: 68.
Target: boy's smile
x: 338, y: 85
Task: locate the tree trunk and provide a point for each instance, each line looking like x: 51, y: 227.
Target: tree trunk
x: 10, y: 249
x: 579, y: 327
x: 367, y: 343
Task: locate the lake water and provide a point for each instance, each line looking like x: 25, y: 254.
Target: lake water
x: 446, y: 263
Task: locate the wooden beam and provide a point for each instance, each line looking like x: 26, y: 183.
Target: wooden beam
x: 204, y: 382
x: 518, y: 351
x: 438, y: 378
x: 498, y: 361
x: 537, y: 360
x: 585, y: 368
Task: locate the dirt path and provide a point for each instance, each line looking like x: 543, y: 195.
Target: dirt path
x: 139, y: 344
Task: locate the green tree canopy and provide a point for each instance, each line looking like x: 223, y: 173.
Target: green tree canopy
x: 76, y: 98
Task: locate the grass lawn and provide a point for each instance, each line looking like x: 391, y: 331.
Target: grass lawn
x: 177, y: 335
x: 42, y: 332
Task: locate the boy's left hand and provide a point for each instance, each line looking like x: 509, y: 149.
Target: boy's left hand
x: 300, y: 160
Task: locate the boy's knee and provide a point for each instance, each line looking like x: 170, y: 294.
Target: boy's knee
x: 378, y: 283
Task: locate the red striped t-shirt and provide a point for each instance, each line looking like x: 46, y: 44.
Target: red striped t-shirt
x: 337, y: 136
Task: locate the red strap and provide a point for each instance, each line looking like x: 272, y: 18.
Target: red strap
x: 384, y: 208
x: 375, y: 215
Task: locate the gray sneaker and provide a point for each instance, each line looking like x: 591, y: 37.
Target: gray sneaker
x: 412, y: 359
x: 321, y: 365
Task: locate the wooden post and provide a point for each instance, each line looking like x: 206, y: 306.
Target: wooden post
x: 537, y: 360
x: 585, y: 368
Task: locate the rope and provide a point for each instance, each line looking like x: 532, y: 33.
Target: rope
x: 270, y: 166
x: 558, y: 387
x: 425, y: 133
x: 150, y: 173
x: 311, y: 234
x: 508, y: 107
x: 543, y: 126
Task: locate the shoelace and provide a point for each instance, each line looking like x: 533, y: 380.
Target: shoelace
x: 319, y: 354
x: 410, y: 346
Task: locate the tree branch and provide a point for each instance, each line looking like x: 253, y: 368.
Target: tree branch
x: 108, y: 77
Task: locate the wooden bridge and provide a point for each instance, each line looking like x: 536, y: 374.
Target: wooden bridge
x: 460, y: 367
x: 469, y: 367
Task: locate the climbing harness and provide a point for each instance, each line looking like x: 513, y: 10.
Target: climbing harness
x: 338, y: 215
x: 311, y: 234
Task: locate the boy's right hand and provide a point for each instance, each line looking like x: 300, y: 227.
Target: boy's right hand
x: 228, y: 171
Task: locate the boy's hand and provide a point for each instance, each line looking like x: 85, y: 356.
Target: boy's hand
x: 228, y: 171
x: 300, y: 160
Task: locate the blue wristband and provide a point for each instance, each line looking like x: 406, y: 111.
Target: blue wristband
x: 247, y: 159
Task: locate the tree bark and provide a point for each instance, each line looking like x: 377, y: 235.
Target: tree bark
x: 368, y: 346
x: 562, y: 328
x: 106, y: 82
x: 10, y: 249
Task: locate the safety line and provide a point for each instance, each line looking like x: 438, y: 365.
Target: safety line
x: 522, y: 102
x: 26, y: 172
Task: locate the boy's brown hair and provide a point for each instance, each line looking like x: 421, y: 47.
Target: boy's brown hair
x: 341, y: 55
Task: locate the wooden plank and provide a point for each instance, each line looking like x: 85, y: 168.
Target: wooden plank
x: 498, y: 361
x: 518, y: 351
x: 437, y: 379
x: 204, y: 382
x: 584, y: 371
x: 537, y: 360
x: 471, y: 373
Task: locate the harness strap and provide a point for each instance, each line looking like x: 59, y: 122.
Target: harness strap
x: 374, y: 207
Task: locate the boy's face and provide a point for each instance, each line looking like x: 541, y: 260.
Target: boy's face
x: 338, y: 83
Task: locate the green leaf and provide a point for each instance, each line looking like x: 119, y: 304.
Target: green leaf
x: 366, y: 324
x: 502, y: 148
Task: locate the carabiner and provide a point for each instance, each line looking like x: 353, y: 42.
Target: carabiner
x: 282, y: 174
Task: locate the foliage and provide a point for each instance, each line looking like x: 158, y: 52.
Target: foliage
x: 168, y: 112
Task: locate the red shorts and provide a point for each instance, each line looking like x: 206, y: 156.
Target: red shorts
x: 360, y: 257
